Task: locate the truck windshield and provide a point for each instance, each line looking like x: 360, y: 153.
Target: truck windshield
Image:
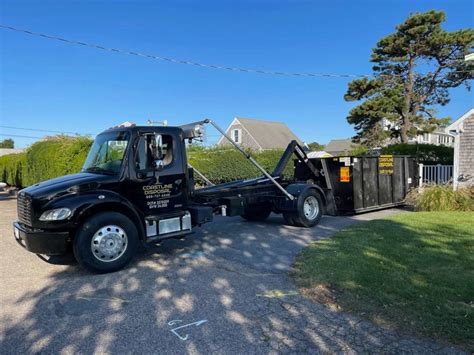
x: 107, y: 153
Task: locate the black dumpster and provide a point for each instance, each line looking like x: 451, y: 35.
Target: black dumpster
x: 364, y: 183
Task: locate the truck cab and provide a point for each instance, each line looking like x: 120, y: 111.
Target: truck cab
x: 135, y: 185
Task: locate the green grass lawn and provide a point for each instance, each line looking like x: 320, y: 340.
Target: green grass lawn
x: 413, y: 272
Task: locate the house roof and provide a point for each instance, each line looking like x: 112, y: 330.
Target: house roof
x: 339, y: 145
x: 267, y: 134
x: 453, y: 126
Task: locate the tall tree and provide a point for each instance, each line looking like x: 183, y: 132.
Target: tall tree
x: 315, y: 146
x: 7, y: 143
x: 413, y: 71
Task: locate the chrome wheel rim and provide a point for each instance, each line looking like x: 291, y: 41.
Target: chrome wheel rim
x: 311, y: 207
x: 109, y: 243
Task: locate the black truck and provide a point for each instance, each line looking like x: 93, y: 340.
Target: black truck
x: 136, y: 186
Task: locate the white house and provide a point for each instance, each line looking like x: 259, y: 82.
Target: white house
x: 438, y: 137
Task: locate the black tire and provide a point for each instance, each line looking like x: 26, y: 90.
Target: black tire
x: 302, y: 219
x: 257, y: 212
x: 124, y: 238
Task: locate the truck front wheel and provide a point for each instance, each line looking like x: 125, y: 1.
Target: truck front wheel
x: 106, y: 242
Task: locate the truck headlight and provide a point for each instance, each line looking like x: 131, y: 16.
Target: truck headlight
x: 58, y: 214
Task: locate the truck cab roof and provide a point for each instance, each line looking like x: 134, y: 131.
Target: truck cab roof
x: 187, y: 131
x: 138, y: 129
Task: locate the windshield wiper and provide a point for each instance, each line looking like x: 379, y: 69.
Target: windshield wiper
x: 96, y: 169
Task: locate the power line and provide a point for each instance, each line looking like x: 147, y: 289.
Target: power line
x: 185, y: 62
x: 19, y: 136
x: 44, y: 130
x: 197, y: 64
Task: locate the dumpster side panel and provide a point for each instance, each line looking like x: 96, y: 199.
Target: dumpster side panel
x: 411, y: 176
x: 343, y: 188
x: 398, y: 181
x: 385, y: 189
x: 358, y: 181
x: 370, y: 180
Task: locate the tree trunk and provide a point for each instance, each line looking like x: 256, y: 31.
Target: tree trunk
x: 404, y: 129
x: 406, y: 114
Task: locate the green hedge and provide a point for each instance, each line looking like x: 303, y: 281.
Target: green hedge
x: 60, y: 156
x: 425, y: 153
x: 13, y: 169
x: 44, y: 160
x: 64, y: 155
x: 227, y: 164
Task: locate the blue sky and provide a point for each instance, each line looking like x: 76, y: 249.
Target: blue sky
x: 50, y: 85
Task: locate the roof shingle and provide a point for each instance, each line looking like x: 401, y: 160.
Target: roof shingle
x: 269, y: 134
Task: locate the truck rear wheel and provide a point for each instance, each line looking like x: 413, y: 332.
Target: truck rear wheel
x: 106, y: 242
x: 257, y: 212
x: 309, y: 209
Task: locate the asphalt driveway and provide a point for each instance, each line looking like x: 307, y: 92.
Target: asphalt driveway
x: 228, y: 280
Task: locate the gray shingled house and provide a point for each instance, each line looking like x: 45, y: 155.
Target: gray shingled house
x: 258, y: 134
x: 463, y: 131
x: 337, y: 147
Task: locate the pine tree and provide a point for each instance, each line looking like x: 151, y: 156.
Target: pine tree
x: 414, y: 68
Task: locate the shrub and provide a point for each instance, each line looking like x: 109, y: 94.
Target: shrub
x: 65, y: 155
x: 13, y: 169
x: 56, y: 157
x: 44, y: 160
x: 425, y: 153
x: 227, y: 164
x: 442, y: 198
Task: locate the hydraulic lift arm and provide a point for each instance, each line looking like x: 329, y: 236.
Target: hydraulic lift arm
x: 251, y: 159
x: 294, y: 147
x: 194, y: 130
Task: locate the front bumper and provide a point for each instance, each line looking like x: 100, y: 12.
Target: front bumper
x: 40, y: 241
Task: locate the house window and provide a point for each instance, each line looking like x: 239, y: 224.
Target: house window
x: 426, y: 137
x: 237, y: 135
x: 445, y: 140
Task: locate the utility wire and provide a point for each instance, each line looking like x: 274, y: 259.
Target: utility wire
x: 45, y: 130
x: 179, y: 61
x: 19, y: 136
x: 197, y: 64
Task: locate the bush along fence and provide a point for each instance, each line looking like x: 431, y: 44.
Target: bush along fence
x: 441, y: 198
x: 65, y: 155
x: 428, y: 154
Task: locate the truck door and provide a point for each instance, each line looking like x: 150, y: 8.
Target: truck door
x: 158, y: 189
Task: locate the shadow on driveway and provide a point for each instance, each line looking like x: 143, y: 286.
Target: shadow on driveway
x: 230, y: 273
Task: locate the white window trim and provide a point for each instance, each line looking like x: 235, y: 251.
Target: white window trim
x: 228, y: 131
x: 239, y: 141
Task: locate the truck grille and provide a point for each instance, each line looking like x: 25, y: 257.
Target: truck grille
x: 24, y: 208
